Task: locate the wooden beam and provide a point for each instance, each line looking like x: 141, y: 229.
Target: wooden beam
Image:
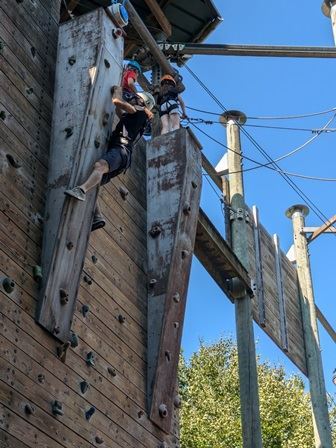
x: 326, y: 325
x: 160, y: 16
x: 208, y: 167
x: 70, y: 6
x: 172, y: 210
x: 217, y: 257
x: 322, y: 229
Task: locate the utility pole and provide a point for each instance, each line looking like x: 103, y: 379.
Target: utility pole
x: 329, y: 10
x: 249, y: 397
x: 321, y: 421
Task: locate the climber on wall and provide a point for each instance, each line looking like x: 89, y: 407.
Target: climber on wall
x: 169, y: 101
x: 135, y: 116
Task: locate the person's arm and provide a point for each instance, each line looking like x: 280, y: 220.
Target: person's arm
x: 131, y: 84
x: 180, y: 100
x: 123, y: 106
x: 148, y: 113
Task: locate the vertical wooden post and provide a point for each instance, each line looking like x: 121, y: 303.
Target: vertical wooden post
x: 249, y: 397
x: 321, y: 421
x: 329, y: 10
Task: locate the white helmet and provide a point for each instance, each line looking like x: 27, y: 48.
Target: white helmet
x: 148, y: 99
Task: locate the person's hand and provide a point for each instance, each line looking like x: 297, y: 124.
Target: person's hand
x: 150, y: 114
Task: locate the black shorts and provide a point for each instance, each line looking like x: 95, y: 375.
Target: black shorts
x: 119, y: 160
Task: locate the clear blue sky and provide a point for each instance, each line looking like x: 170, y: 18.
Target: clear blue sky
x: 259, y: 87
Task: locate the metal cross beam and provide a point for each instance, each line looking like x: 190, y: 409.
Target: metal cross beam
x: 190, y: 49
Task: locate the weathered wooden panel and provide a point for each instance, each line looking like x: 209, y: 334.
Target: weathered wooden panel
x: 276, y: 306
x: 173, y: 184
x: 113, y: 282
x: 89, y: 62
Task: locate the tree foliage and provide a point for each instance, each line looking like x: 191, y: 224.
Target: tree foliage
x: 210, y: 415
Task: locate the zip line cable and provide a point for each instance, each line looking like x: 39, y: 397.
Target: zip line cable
x: 288, y: 117
x: 287, y: 179
x: 313, y: 130
x: 294, y: 151
x: 265, y: 165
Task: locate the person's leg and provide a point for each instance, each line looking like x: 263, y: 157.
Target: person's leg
x: 165, y: 124
x: 100, y: 168
x: 98, y: 219
x: 174, y: 119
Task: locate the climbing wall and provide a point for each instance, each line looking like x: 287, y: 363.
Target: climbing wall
x: 94, y: 393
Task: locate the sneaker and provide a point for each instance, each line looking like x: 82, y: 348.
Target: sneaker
x: 76, y: 193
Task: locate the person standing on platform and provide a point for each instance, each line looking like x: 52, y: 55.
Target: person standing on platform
x: 169, y: 101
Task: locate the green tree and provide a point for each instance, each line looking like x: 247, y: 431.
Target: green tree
x: 210, y: 415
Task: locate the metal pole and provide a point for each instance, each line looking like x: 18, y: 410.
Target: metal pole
x: 189, y: 49
x: 321, y: 421
x: 249, y: 398
x: 329, y: 10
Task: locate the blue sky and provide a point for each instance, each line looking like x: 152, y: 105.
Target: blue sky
x: 276, y: 87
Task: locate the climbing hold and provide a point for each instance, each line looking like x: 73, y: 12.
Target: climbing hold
x: 194, y: 184
x: 176, y: 297
x: 99, y: 440
x: 106, y: 118
x: 176, y: 324
x: 2, y: 114
x: 163, y: 411
x: 8, y: 285
x: 87, y: 280
x: 121, y: 318
x: 177, y: 401
x: 186, y: 208
x: 89, y: 413
x: 70, y: 245
x: 85, y: 310
x: 184, y: 253
x: 168, y: 355
x: 140, y: 414
x: 123, y: 192
x: 112, y: 371
x: 19, y: 1
x: 64, y: 296
x: 14, y: 162
x: 155, y: 230
x: 90, y: 360
x: 72, y: 60
x: 74, y: 341
x: 61, y: 350
x: 152, y: 282
x: 97, y: 143
x: 84, y: 385
x: 68, y: 132
x: 107, y: 64
x: 163, y: 445
x: 41, y: 378
x: 57, y: 408
x: 117, y: 33
x: 37, y: 273
x: 33, y: 51
x: 29, y: 409
x: 94, y: 259
x: 29, y: 91
x: 57, y: 329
